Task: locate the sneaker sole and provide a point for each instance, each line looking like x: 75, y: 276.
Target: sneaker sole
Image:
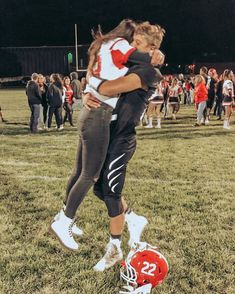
x: 53, y: 233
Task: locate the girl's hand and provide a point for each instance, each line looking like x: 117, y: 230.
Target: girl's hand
x: 90, y: 101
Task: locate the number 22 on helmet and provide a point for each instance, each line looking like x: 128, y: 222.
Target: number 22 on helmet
x: 146, y: 266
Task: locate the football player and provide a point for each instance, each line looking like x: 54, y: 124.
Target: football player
x: 112, y: 52
x: 122, y: 146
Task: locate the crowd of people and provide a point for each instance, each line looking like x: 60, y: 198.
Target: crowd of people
x: 48, y: 96
x: 209, y: 92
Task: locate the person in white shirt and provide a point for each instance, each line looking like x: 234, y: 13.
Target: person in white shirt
x: 228, y: 96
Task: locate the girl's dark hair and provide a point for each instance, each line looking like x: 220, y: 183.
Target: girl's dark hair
x: 57, y: 80
x: 65, y: 78
x: 125, y: 29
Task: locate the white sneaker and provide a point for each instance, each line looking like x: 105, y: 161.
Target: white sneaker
x: 149, y: 126
x: 62, y: 228
x: 158, y: 126
x: 112, y: 256
x: 60, y: 128
x: 207, y: 122
x: 173, y: 116
x: 75, y: 229
x: 136, y: 224
x: 226, y: 125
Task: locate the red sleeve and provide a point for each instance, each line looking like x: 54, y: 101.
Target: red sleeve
x: 120, y: 52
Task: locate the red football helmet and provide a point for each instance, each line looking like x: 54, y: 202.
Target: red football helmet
x: 145, y: 266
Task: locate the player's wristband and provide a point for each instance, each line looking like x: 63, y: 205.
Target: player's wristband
x: 95, y: 83
x: 88, y: 89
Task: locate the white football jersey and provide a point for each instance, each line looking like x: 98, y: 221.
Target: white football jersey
x: 110, y: 65
x: 111, y: 59
x: 228, y: 88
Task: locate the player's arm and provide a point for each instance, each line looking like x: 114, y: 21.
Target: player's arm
x: 138, y: 77
x: 111, y: 88
x: 121, y: 85
x: 136, y: 57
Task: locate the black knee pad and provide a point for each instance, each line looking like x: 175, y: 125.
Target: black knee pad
x: 114, y: 205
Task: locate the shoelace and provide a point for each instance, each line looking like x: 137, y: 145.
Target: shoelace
x: 70, y: 229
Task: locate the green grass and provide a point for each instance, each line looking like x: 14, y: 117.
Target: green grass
x: 181, y: 178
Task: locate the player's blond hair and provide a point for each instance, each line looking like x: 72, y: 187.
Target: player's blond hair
x: 152, y: 33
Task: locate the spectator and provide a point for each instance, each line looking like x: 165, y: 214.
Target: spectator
x: 228, y: 97
x: 181, y: 82
x: 188, y: 91
x: 83, y: 84
x: 173, y: 100
x: 68, y: 101
x: 77, y: 89
x: 203, y: 72
x: 211, y: 82
x: 219, y: 98
x: 54, y: 97
x: 34, y: 99
x: 201, y: 96
x: 156, y: 101
x: 44, y: 106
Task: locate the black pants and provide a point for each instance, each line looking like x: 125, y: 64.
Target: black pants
x: 45, y: 110
x: 35, y: 112
x: 57, y: 112
x: 94, y: 133
x: 112, y: 177
x: 218, y: 107
x: 68, y: 113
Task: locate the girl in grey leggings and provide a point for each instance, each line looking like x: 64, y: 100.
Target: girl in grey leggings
x: 94, y: 133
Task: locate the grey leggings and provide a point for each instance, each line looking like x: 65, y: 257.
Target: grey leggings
x: 94, y: 130
x: 200, y: 110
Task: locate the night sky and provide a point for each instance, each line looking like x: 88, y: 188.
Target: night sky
x: 195, y: 29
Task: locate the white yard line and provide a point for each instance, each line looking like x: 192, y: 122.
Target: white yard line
x: 18, y: 163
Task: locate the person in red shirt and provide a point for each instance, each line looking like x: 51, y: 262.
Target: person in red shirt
x: 200, y: 97
x: 68, y: 102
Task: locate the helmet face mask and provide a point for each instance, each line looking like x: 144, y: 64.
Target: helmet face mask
x: 145, y: 266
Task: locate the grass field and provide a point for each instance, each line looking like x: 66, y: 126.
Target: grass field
x: 181, y: 178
